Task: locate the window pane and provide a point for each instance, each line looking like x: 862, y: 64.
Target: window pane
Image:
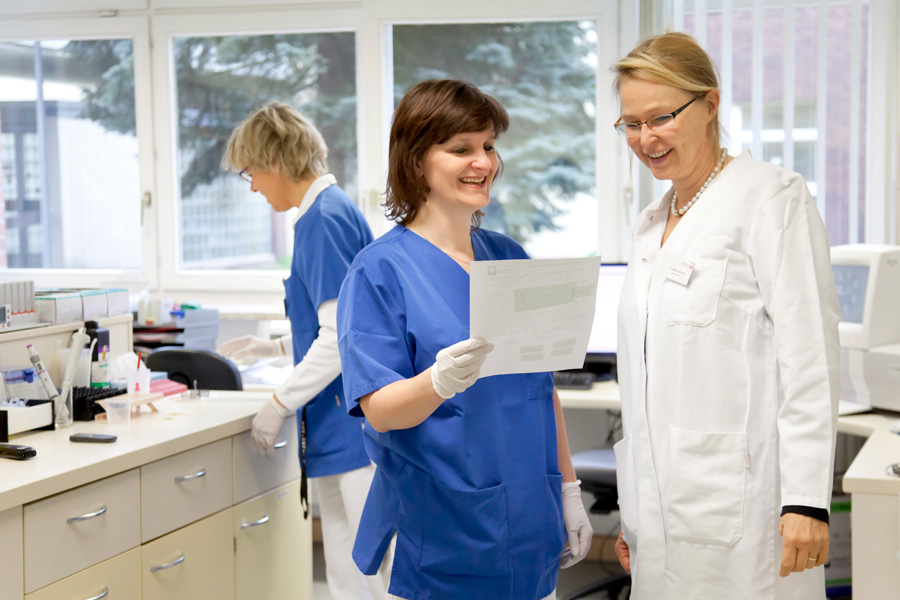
x: 807, y: 132
x: 69, y: 155
x: 545, y: 76
x: 220, y: 81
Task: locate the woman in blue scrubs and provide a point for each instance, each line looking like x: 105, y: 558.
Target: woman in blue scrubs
x: 283, y: 157
x: 474, y: 478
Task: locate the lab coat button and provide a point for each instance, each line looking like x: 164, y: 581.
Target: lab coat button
x: 643, y: 260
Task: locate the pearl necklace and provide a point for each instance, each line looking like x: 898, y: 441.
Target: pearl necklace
x: 678, y: 212
x: 424, y: 237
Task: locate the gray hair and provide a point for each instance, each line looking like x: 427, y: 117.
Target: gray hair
x: 277, y: 137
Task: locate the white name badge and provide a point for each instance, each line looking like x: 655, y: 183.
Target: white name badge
x: 678, y: 270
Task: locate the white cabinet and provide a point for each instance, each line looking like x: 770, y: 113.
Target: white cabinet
x: 118, y: 578
x: 74, y: 530
x: 186, y: 487
x: 273, y: 557
x: 194, y: 562
x: 11, y: 565
x: 256, y: 472
x: 202, y: 501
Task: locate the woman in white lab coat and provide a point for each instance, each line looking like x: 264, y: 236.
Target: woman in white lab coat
x: 728, y: 354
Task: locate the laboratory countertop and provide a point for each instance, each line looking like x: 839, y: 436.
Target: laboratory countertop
x: 182, y: 424
x: 178, y: 426
x: 867, y: 473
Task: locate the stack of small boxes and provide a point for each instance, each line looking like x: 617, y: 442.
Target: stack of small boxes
x: 74, y: 305
x: 17, y: 308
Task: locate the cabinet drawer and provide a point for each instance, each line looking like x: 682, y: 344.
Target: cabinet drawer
x: 273, y: 547
x: 11, y: 564
x: 118, y: 578
x: 79, y: 528
x: 191, y: 563
x: 255, y: 472
x: 184, y: 488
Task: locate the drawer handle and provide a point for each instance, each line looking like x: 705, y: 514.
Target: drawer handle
x: 88, y: 516
x: 177, y: 561
x: 102, y: 594
x: 262, y: 521
x: 280, y: 444
x: 183, y: 478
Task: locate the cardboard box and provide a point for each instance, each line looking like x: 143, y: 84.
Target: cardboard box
x: 93, y: 304
x: 59, y: 307
x: 117, y: 302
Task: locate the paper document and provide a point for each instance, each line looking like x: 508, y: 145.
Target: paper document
x: 537, y: 313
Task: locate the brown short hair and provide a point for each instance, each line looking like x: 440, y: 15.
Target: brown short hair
x: 430, y: 113
x: 277, y: 136
x: 674, y: 59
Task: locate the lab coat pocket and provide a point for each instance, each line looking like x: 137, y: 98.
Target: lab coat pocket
x: 625, y: 485
x: 696, y: 302
x: 706, y: 486
x: 465, y: 532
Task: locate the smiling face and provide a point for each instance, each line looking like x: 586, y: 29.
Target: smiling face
x: 680, y: 151
x: 459, y: 172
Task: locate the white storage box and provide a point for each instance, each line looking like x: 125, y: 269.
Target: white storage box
x: 59, y: 307
x: 15, y: 419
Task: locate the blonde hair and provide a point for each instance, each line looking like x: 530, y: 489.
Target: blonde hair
x: 277, y: 136
x: 674, y: 59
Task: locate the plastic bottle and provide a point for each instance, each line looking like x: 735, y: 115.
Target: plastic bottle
x: 99, y: 358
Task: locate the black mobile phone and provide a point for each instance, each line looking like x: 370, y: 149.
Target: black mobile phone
x: 16, y: 451
x: 95, y: 438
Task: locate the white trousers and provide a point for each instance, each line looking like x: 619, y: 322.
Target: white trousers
x: 341, y: 501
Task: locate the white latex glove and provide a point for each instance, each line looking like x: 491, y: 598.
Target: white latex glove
x: 458, y: 366
x: 578, y: 526
x: 266, y: 424
x: 250, y: 346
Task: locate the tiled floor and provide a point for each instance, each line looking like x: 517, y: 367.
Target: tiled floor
x: 570, y: 580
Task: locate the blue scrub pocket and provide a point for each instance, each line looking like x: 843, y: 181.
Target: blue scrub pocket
x: 554, y: 518
x: 465, y: 532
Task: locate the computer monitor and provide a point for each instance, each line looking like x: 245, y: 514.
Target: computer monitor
x: 867, y: 279
x: 601, y: 348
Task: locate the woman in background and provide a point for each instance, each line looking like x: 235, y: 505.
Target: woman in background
x: 282, y: 156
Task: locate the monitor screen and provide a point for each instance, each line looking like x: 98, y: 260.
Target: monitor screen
x: 850, y: 282
x: 609, y: 288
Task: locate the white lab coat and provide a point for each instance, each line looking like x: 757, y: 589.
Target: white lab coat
x: 729, y: 386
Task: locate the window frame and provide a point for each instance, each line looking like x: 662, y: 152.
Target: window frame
x: 623, y: 186
x: 137, y: 29
x: 882, y: 186
x: 382, y: 16
x: 165, y: 29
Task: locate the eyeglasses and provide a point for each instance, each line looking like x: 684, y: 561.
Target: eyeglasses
x: 245, y: 175
x: 631, y: 130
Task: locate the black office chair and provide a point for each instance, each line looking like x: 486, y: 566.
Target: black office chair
x: 209, y: 370
x: 597, y: 471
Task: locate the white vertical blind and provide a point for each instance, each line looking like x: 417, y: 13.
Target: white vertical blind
x: 700, y: 10
x: 790, y: 19
x: 726, y: 70
x: 853, y: 192
x: 844, y: 53
x: 756, y: 78
x: 822, y: 105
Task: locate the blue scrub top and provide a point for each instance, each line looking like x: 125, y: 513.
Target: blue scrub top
x: 326, y: 239
x: 473, y: 492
